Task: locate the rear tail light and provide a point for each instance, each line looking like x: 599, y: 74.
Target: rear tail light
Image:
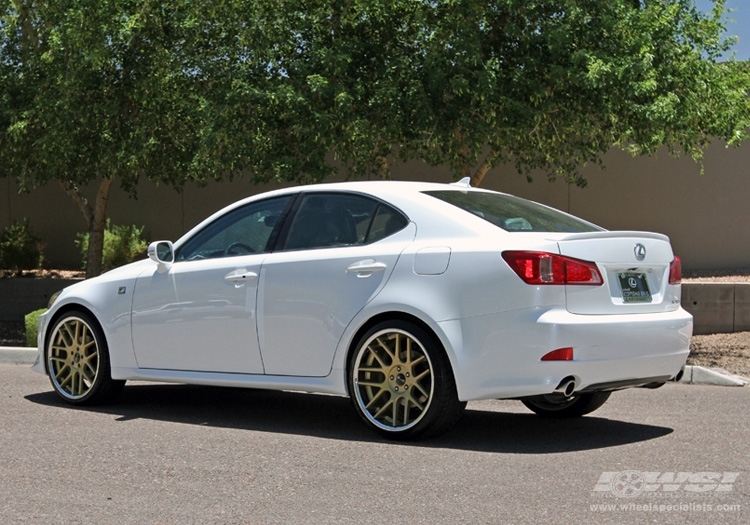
x: 551, y: 268
x: 675, y: 271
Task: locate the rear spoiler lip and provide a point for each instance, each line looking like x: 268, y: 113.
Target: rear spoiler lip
x: 608, y: 235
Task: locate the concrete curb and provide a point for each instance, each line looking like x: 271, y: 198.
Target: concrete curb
x: 17, y: 355
x: 699, y: 375
x: 694, y: 375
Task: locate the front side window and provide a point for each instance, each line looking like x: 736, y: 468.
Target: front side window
x: 240, y: 232
x: 514, y: 214
x: 338, y: 219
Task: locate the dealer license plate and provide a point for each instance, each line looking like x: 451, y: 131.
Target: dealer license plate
x: 634, y: 287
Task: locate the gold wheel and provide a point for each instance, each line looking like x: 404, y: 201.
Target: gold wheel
x: 73, y: 358
x: 393, y: 380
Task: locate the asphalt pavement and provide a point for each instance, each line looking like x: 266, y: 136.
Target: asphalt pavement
x: 181, y: 454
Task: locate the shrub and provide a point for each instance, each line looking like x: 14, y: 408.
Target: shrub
x: 32, y: 320
x: 122, y: 245
x: 20, y: 249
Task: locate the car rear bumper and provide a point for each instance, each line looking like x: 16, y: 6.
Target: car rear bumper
x: 499, y: 355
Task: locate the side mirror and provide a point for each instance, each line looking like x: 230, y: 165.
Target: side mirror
x: 162, y: 253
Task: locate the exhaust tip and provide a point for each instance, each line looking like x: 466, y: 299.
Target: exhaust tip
x: 679, y: 375
x: 566, y: 387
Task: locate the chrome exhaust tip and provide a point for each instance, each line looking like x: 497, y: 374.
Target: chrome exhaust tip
x: 566, y: 387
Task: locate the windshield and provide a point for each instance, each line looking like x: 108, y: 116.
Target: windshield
x: 514, y: 214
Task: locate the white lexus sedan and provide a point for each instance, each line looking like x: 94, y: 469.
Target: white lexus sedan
x: 410, y: 298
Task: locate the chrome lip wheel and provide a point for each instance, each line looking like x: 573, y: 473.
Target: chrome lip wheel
x: 73, y: 358
x: 393, y: 380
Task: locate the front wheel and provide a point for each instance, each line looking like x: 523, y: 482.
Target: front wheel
x: 559, y: 406
x: 78, y: 360
x: 401, y: 383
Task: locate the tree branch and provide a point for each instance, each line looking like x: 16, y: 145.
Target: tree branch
x: 80, y: 200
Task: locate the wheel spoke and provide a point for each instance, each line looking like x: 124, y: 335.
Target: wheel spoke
x: 73, y: 358
x: 415, y: 401
x: 376, y: 355
x: 393, y: 380
x: 384, y: 409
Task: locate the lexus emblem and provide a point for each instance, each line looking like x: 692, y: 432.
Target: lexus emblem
x: 640, y: 252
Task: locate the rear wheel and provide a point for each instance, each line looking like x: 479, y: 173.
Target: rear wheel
x: 78, y: 360
x: 401, y: 383
x: 560, y: 406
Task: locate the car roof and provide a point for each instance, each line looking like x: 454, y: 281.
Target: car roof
x: 408, y: 196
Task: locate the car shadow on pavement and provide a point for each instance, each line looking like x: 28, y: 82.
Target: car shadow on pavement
x: 333, y: 417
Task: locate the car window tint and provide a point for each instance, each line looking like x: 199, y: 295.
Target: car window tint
x: 514, y: 214
x: 239, y: 232
x: 387, y: 221
x: 338, y: 219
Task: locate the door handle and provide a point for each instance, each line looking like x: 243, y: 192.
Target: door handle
x: 366, y: 268
x: 239, y: 277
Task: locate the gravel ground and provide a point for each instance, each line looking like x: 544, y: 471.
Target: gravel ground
x: 730, y: 352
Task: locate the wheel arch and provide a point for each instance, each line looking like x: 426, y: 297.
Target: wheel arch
x: 64, y: 309
x: 396, y: 315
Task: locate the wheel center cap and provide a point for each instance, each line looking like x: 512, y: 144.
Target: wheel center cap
x: 399, y: 378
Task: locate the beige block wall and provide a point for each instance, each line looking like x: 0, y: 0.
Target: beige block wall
x: 706, y: 216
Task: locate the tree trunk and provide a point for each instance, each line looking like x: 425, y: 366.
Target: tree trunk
x: 96, y: 220
x: 478, y: 176
x: 383, y: 169
x: 96, y: 230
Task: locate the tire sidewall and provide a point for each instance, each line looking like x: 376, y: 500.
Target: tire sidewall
x: 103, y: 367
x: 443, y: 385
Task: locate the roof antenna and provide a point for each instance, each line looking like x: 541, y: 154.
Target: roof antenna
x: 464, y: 183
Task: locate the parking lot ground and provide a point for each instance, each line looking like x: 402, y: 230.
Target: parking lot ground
x: 168, y: 454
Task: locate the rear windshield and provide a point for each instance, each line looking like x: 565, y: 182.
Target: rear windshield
x: 514, y: 214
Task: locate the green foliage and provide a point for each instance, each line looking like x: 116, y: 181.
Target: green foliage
x: 549, y: 84
x: 31, y: 321
x: 122, y: 245
x: 189, y: 90
x: 20, y: 249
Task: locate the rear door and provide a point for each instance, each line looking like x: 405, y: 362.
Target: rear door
x: 337, y: 254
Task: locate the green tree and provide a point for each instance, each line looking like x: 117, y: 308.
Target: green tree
x: 550, y: 84
x: 289, y: 90
x: 96, y: 92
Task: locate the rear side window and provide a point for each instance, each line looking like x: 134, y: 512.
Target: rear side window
x: 514, y: 214
x: 326, y: 220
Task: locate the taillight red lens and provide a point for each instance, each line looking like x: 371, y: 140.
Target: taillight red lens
x: 675, y: 271
x: 551, y: 268
x: 561, y: 354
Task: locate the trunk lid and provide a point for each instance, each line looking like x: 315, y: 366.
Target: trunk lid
x: 634, y: 266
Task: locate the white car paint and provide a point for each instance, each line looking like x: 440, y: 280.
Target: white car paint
x: 289, y: 319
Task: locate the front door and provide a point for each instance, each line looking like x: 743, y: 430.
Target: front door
x: 200, y: 314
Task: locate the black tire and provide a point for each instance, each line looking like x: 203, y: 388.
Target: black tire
x: 78, y: 360
x: 401, y: 383
x: 559, y: 406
